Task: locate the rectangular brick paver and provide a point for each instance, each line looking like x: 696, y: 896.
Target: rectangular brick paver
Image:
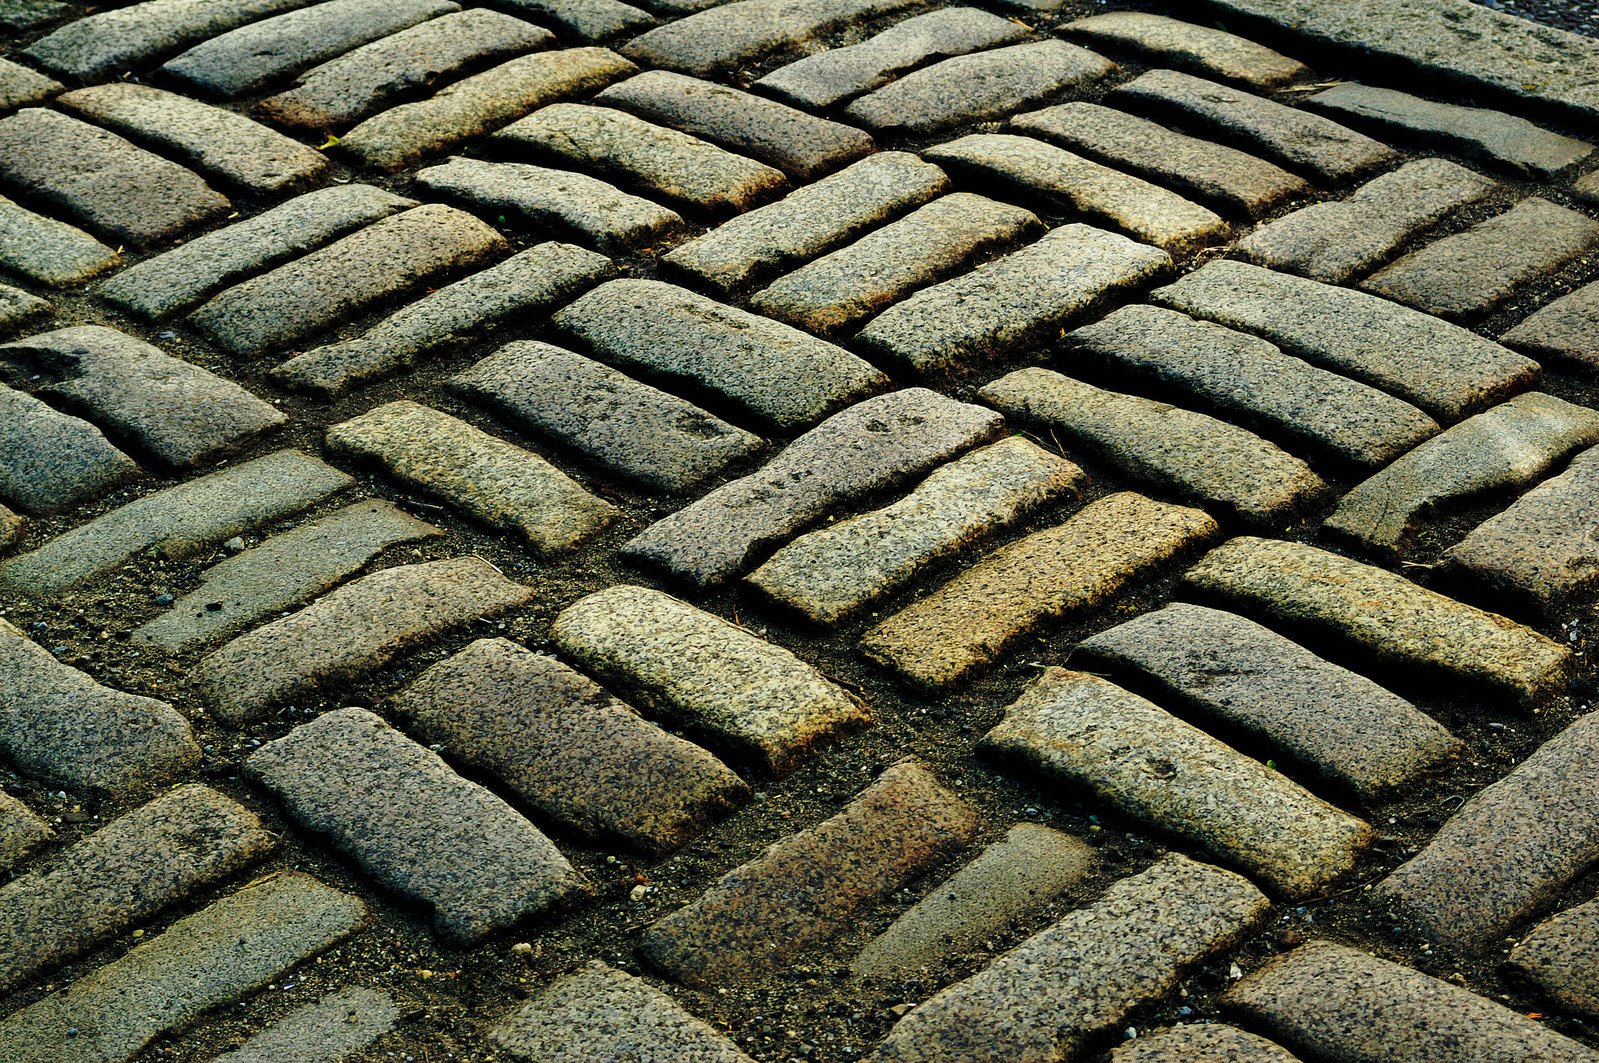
x: 720, y: 39
x: 1206, y: 50
x: 50, y: 460
x: 49, y: 251
x: 1567, y: 328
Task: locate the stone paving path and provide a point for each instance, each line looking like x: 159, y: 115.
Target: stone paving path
x: 588, y: 530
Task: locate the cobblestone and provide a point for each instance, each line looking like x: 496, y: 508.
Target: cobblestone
x: 49, y: 251
x: 11, y: 527
x: 1567, y: 328
x: 1212, y: 52
x: 324, y: 1031
x: 1195, y: 1043
x: 52, y: 459
x: 22, y: 87
x: 723, y: 38
x: 21, y: 832
x: 587, y: 20
x: 1562, y: 955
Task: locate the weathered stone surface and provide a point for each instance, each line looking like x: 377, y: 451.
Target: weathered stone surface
x: 1567, y: 328
x: 1444, y: 369
x: 324, y: 1031
x: 281, y: 573
x: 1294, y: 138
x: 19, y: 308
x: 1203, y: 49
x: 50, y: 460
x: 837, y: 570
x: 1245, y: 675
x: 587, y: 20
x: 1500, y: 450
x: 251, y: 57
x: 777, y: 373
x: 11, y: 527
x: 1220, y: 176
x: 809, y: 220
x: 1012, y: 301
x: 21, y: 832
x: 179, y: 412
x: 806, y: 888
x: 22, y: 87
x: 1562, y: 956
x: 1083, y: 731
x: 978, y: 87
x: 122, y: 874
x: 683, y: 169
x: 833, y: 76
x: 968, y: 622
x: 1034, y: 168
x: 415, y: 825
x: 59, y: 724
x: 1195, y: 1043
x: 31, y: 14
x: 1329, y: 997
x: 598, y: 1011
x: 177, y: 521
x: 1490, y: 136
x: 526, y: 284
x: 213, y: 957
x: 629, y: 427
x: 1470, y: 273
x: 226, y: 146
x: 356, y: 628
x: 1336, y: 241
x: 347, y: 89
x: 841, y: 289
x: 1384, y: 617
x: 1013, y: 878
x: 389, y: 258
x: 732, y: 35
x: 181, y: 279
x: 1192, y: 454
x: 694, y: 668
x: 116, y: 189
x: 568, y: 748
x: 567, y: 204
x: 49, y: 251
x: 1046, y: 997
x: 476, y: 105
x: 1586, y: 187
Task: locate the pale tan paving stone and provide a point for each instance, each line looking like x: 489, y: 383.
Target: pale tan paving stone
x: 22, y: 87
x: 1204, y: 49
x: 1567, y: 328
x: 325, y: 1031
x: 1561, y: 955
x: 11, y: 527
x: 21, y: 832
x: 1197, y: 1043
x: 49, y: 251
x: 594, y: 21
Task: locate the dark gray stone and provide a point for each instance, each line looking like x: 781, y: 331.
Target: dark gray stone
x: 50, y: 460
x: 1206, y: 50
x: 1567, y: 328
x: 734, y: 35
x: 49, y: 251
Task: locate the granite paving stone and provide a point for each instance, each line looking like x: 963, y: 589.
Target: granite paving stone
x: 58, y: 723
x: 11, y: 527
x: 837, y: 570
x: 1250, y: 380
x: 594, y: 21
x: 1033, y: 168
x: 835, y: 75
x: 224, y: 951
x: 568, y: 748
x: 177, y: 521
x: 1193, y: 455
x: 1350, y: 1006
x: 387, y: 259
x: 254, y: 56
x: 1494, y: 452
x: 1206, y: 50
x: 473, y: 106
x: 324, y: 1031
x: 351, y: 631
x: 561, y: 202
x: 808, y: 221
x: 1043, y: 999
x: 19, y: 308
x: 50, y: 460
x: 229, y: 147
x: 600, y: 1011
x: 1070, y: 568
x: 1493, y: 137
x: 22, y: 87
x: 979, y: 87
x: 21, y: 832
x: 806, y: 888
x: 281, y: 573
x: 1383, y: 617
x: 1224, y: 667
x: 120, y: 191
x: 133, y: 867
x: 696, y: 669
x: 1084, y: 731
x: 351, y: 87
x: 1442, y: 368
x: 1471, y: 273
x: 841, y: 289
x: 724, y: 38
x: 499, y: 483
x: 1214, y: 174
x: 1201, y: 1043
x: 1336, y: 241
x: 521, y: 287
x: 31, y: 14
x: 777, y: 374
x: 1561, y: 955
x: 629, y: 427
x: 173, y: 409
x: 415, y: 825
x: 1586, y: 187
x: 1567, y: 328
x: 651, y: 158
x: 1010, y: 880
x: 1014, y: 301
x: 48, y: 251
